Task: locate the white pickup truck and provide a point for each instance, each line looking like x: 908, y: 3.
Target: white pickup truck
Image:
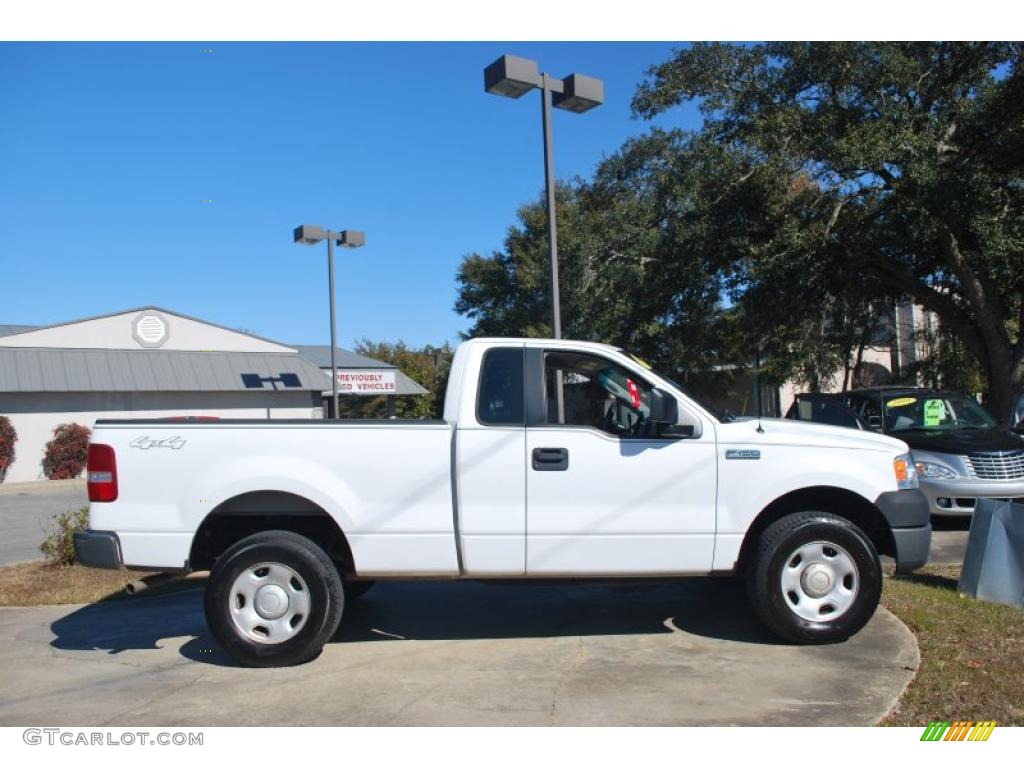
x: 555, y: 459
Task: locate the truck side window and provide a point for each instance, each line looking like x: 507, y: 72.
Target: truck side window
x: 597, y: 393
x: 500, y: 399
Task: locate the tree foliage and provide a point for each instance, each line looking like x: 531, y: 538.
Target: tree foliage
x: 427, y: 366
x: 66, y: 454
x: 828, y: 181
x: 915, y: 157
x: 8, y: 437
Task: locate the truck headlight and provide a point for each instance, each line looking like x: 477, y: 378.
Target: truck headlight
x: 929, y: 469
x: 906, y: 472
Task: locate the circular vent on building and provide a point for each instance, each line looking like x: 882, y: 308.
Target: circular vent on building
x: 150, y: 329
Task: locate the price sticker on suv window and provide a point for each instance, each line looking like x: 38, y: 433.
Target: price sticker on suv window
x: 934, y: 412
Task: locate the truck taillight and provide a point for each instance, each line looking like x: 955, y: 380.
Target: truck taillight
x: 102, y: 473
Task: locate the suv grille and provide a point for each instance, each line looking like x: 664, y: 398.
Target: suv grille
x: 996, y: 465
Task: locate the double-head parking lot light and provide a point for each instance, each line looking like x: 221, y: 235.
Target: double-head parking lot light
x: 513, y: 76
x: 346, y: 238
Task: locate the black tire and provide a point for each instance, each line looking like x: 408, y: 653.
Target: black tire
x: 325, y: 595
x: 356, y: 588
x: 777, y: 610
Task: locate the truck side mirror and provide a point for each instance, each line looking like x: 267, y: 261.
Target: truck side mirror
x: 664, y: 408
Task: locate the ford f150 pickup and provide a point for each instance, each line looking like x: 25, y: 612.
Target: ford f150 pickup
x: 554, y: 459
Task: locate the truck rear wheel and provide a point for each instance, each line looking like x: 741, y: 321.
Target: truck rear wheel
x: 814, y: 578
x: 273, y: 599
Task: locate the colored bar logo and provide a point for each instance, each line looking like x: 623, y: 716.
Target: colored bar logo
x: 959, y: 730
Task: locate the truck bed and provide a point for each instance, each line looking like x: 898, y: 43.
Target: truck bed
x: 386, y: 482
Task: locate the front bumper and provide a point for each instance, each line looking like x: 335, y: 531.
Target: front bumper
x: 98, y: 549
x: 962, y: 495
x: 907, y: 513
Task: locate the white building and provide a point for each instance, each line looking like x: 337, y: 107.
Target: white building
x: 144, y: 363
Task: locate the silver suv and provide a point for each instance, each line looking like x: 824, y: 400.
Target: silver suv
x: 962, y: 454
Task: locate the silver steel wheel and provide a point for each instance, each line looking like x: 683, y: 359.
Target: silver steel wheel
x: 820, y: 581
x: 269, y: 603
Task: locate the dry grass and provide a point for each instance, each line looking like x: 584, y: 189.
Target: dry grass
x: 971, y: 652
x: 39, y: 583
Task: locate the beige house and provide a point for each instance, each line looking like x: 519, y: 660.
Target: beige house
x: 908, y: 341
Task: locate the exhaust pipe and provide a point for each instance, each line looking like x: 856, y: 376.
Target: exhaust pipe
x: 138, y: 586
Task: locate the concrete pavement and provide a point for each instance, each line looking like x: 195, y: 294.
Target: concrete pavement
x: 456, y: 653
x: 25, y: 512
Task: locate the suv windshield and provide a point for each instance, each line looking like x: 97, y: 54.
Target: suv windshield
x: 933, y: 411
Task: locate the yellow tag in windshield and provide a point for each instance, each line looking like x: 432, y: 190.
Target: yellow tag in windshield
x: 899, y: 402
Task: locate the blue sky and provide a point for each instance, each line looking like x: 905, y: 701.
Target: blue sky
x: 108, y: 150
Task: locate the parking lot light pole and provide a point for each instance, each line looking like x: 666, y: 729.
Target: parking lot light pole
x: 513, y: 76
x: 346, y: 238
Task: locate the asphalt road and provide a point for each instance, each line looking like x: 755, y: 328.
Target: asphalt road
x: 26, y: 510
x: 456, y: 653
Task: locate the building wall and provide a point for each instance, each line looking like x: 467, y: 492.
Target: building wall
x: 790, y: 389
x: 35, y: 414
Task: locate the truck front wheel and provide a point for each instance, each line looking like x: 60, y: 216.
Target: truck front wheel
x: 273, y: 599
x: 814, y: 578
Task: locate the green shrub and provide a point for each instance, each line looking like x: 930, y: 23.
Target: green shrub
x: 8, y: 437
x: 59, y: 547
x: 67, y: 453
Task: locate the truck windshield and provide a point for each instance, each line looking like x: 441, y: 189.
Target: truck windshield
x: 719, y: 414
x: 934, y: 412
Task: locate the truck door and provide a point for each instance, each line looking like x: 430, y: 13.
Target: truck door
x: 606, y: 493
x: 490, y: 450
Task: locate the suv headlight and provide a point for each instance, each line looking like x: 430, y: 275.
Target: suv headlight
x: 929, y: 469
x: 906, y: 472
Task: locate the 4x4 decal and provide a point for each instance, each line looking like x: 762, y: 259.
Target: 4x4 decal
x: 145, y: 443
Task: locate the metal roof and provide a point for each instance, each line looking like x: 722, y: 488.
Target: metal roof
x: 27, y: 369
x: 344, y: 358
x: 321, y: 355
x: 8, y: 330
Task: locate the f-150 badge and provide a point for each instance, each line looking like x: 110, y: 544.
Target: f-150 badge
x: 743, y: 453
x: 145, y: 443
